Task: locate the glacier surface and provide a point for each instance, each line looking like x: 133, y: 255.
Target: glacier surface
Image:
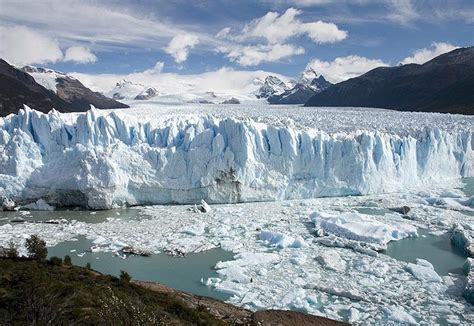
x: 149, y: 155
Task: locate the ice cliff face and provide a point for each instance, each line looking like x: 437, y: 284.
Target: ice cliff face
x: 100, y: 160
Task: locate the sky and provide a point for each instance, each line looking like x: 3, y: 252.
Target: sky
x: 340, y: 39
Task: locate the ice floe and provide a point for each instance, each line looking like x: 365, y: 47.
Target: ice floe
x: 361, y: 227
x: 281, y: 240
x: 423, y: 270
x: 468, y: 291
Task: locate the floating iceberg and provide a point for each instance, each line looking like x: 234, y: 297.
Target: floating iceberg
x: 105, y: 159
x: 281, y: 240
x: 468, y: 292
x: 463, y: 238
x: 361, y: 227
x: 423, y: 270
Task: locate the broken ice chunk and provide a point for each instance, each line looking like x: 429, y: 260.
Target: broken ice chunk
x: 423, y: 270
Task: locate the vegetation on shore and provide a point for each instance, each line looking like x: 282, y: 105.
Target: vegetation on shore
x: 34, y: 290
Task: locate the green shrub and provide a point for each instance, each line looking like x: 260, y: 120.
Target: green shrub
x: 36, y: 247
x: 12, y: 250
x: 37, y: 293
x: 88, y: 266
x: 55, y: 261
x: 125, y: 277
x: 67, y: 260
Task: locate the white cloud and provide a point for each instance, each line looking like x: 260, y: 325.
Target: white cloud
x: 321, y: 32
x: 222, y: 81
x: 343, y: 68
x: 224, y: 33
x: 90, y: 21
x: 20, y: 45
x: 180, y: 45
x: 402, y: 11
x: 158, y: 68
x: 252, y: 55
x: 315, y: 3
x: 426, y: 54
x: 276, y: 28
x: 79, y: 54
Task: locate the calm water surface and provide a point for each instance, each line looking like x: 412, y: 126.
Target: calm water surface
x: 182, y: 273
x: 438, y: 250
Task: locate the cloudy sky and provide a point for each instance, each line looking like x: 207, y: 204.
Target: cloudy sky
x: 339, y: 38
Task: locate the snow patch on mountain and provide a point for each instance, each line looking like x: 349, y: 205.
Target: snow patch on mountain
x: 308, y: 85
x: 126, y: 90
x: 46, y: 77
x: 307, y: 76
x: 272, y: 85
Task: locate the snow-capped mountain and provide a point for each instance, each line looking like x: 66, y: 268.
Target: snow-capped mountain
x: 307, y: 76
x: 147, y: 94
x: 299, y: 94
x: 45, y: 89
x: 443, y: 84
x: 310, y: 78
x: 126, y: 90
x: 46, y: 77
x: 71, y: 90
x: 320, y: 84
x: 272, y: 85
x: 307, y: 86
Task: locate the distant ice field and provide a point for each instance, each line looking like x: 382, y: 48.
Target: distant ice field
x: 326, y: 119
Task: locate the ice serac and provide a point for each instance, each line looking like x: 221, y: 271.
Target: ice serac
x: 100, y: 159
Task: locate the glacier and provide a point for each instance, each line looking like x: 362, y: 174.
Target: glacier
x: 103, y: 159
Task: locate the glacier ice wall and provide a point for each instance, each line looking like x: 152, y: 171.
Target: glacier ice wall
x: 99, y: 160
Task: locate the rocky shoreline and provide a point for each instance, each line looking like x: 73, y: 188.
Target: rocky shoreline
x: 234, y: 315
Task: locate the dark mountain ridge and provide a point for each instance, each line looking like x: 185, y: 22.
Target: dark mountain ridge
x: 443, y: 84
x: 17, y: 87
x: 301, y: 92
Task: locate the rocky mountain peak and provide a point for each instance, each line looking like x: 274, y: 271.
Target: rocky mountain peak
x: 272, y: 85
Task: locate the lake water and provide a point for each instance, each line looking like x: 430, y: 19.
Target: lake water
x: 437, y: 249
x: 468, y: 188
x: 182, y: 273
x: 185, y: 273
x: 73, y: 214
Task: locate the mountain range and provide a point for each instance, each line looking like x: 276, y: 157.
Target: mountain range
x: 53, y: 89
x: 277, y: 92
x: 443, y: 84
x: 301, y: 92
